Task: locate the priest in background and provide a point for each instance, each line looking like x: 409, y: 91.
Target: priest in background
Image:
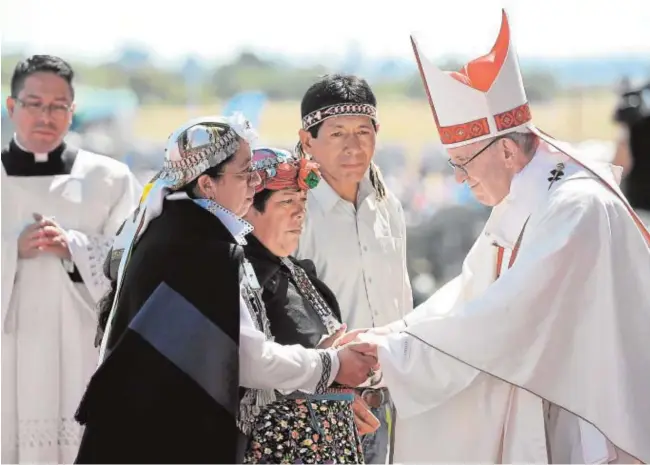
x: 61, y: 207
x: 539, y: 352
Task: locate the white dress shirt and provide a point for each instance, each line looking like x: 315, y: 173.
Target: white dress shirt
x: 360, y: 253
x: 265, y: 364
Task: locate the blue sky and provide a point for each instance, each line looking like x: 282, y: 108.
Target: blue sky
x: 221, y: 28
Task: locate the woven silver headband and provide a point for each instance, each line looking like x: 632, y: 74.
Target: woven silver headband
x: 198, y: 148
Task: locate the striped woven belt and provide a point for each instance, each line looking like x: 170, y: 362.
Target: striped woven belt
x: 335, y: 394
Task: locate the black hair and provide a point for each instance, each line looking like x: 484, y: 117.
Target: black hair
x: 191, y: 188
x: 261, y: 198
x: 40, y: 64
x: 335, y: 89
x: 633, y: 106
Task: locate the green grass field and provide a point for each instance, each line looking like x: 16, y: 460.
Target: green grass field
x: 406, y: 122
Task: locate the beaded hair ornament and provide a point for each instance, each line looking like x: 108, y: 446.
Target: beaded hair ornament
x: 202, y: 144
x: 280, y: 169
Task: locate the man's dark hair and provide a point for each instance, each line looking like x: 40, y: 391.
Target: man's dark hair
x: 40, y: 64
x: 335, y: 89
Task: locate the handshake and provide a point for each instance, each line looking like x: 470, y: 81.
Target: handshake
x: 357, y: 360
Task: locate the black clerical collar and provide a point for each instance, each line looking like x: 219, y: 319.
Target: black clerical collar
x: 19, y: 162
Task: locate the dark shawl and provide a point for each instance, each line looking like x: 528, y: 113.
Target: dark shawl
x: 168, y: 390
x: 293, y: 319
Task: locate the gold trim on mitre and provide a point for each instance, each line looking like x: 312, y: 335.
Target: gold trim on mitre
x: 485, y: 99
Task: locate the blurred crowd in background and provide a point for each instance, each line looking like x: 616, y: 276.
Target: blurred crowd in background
x: 120, y: 108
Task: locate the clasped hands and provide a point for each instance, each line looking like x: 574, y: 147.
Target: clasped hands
x: 43, y: 236
x: 357, y: 360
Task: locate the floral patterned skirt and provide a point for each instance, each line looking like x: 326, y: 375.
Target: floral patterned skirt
x: 305, y: 431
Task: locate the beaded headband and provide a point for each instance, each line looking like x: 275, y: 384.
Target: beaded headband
x: 342, y: 109
x: 280, y: 169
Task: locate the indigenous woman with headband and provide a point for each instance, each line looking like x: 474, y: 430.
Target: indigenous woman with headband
x: 298, y: 428
x: 167, y: 383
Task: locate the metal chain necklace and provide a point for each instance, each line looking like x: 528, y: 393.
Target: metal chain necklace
x: 309, y: 292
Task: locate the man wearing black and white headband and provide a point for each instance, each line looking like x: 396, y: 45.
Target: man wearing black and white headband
x: 354, y: 231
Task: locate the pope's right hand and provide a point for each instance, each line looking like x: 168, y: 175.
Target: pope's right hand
x: 353, y: 336
x: 348, y: 337
x: 356, y: 364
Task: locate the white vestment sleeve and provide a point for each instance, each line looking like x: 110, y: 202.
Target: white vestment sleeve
x: 444, y: 298
x: 421, y: 377
x: 267, y: 365
x: 9, y: 268
x: 559, y: 323
x: 407, y: 290
x: 88, y: 254
x: 89, y: 250
x: 418, y: 377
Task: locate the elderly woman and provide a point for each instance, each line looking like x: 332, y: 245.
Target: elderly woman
x: 298, y: 428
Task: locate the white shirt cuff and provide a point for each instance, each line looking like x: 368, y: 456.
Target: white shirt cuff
x: 333, y: 353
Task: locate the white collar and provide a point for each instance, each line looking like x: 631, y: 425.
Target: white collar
x: 528, y: 189
x: 38, y: 157
x: 234, y: 224
x: 327, y: 197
